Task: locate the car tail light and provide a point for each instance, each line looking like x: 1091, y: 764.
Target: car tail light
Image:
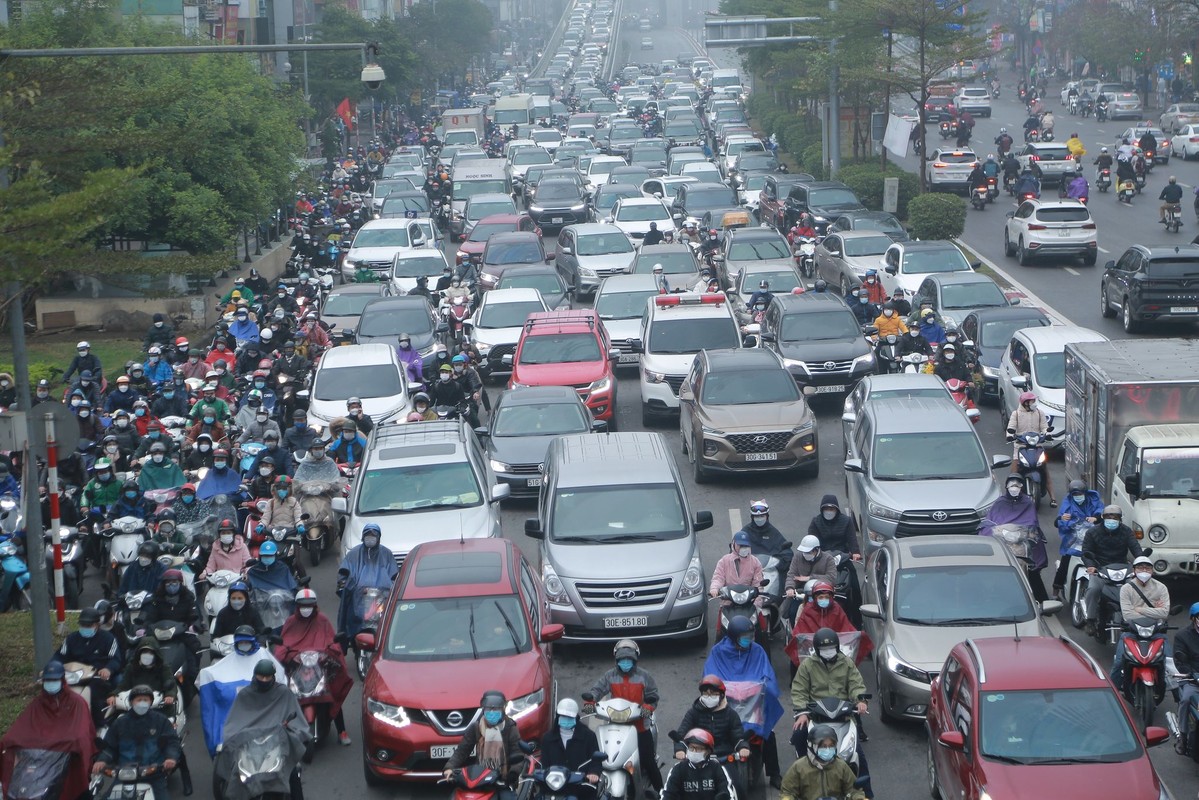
x: 1034, y: 158
x: 1090, y: 226
x: 1038, y: 228
x: 1194, y: 139
x: 939, y: 165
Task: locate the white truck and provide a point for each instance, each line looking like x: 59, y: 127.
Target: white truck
x: 462, y: 126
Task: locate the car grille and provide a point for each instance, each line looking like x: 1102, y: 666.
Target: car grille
x: 675, y: 382
x: 583, y: 389
x: 624, y: 593
x: 608, y: 273
x: 496, y: 354
x: 623, y: 345
x: 524, y: 469
x: 399, y: 557
x: 963, y: 521
x: 773, y: 442
x: 462, y: 720
x: 377, y: 265
x: 829, y: 367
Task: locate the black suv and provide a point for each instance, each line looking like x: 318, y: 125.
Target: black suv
x: 819, y: 340
x: 508, y: 249
x: 1151, y: 284
x: 824, y: 200
x: 558, y: 202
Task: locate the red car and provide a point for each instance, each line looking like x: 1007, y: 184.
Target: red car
x: 1008, y: 715
x: 472, y: 247
x: 463, y: 617
x: 568, y: 348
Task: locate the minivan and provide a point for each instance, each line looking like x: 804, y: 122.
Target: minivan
x: 619, y: 556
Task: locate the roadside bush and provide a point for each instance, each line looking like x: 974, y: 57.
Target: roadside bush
x: 937, y: 216
x: 812, y: 160
x: 866, y: 181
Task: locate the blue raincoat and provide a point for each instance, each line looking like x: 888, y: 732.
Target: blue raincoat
x: 215, y: 483
x: 734, y: 665
x: 367, y: 568
x: 1092, y: 506
x: 218, y: 685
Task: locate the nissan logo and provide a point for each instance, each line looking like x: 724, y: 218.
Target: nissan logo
x: 624, y: 594
x: 940, y: 516
x: 454, y: 718
x: 830, y: 365
x: 759, y: 439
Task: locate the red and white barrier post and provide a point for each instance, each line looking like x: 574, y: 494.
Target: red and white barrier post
x: 60, y: 600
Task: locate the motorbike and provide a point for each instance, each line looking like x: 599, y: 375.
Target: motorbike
x: 1144, y: 685
x: 887, y: 353
x: 1031, y: 460
x: 948, y: 129
x: 123, y: 536
x: 1139, y: 179
x: 14, y: 592
x: 261, y: 760
x: 560, y: 783
x: 368, y: 606
x: 1126, y: 191
x: 617, y: 734
x: 11, y: 519
x: 742, y: 602
x: 1174, y: 218
x: 217, y: 596
x: 73, y: 563
x: 1190, y: 725
x: 959, y: 390
x: 914, y: 363
x: 992, y: 189
x: 1047, y: 135
x: 1009, y: 184
x: 979, y: 197
x: 37, y: 774
x: 805, y: 255
x: 316, y: 500
x: 840, y: 715
x: 1101, y: 111
x: 129, y: 782
x: 176, y: 644
x: 1104, y: 181
x: 78, y: 678
x: 1109, y: 620
x: 771, y: 592
x: 475, y: 782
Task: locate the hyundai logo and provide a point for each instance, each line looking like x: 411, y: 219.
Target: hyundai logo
x: 940, y: 516
x: 454, y: 718
x: 759, y: 439
x: 624, y: 594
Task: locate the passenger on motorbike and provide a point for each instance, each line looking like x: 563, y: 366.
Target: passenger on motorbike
x: 142, y: 737
x: 422, y: 408
x: 307, y: 629
x: 823, y: 611
x: 977, y: 178
x: 1143, y: 597
x: 131, y: 503
x: 700, y: 777
x: 368, y: 565
x: 237, y: 612
x: 1111, y: 542
x: 1078, y: 189
x: 738, y: 567
x: 991, y: 167
x: 873, y: 288
x: 949, y: 366
x: 411, y: 359
x: 1081, y: 507
x: 889, y: 322
x: 228, y: 553
x: 494, y: 741
x: 1186, y: 662
x: 97, y: 649
x: 1029, y: 417
x: 471, y: 384
x: 829, y: 674
x: 1047, y: 122
x: 630, y: 682
x: 173, y: 602
x: 144, y: 574
x: 1148, y: 142
x: 262, y: 484
x: 813, y: 564
x: 1104, y: 159
x: 146, y: 668
x: 1171, y: 195
x: 764, y: 538
x: 570, y: 745
x: 1028, y: 183
x: 1015, y: 508
x: 712, y: 713
x: 355, y: 414
x: 820, y: 773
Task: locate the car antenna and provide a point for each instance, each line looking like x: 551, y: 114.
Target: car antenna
x: 1016, y: 629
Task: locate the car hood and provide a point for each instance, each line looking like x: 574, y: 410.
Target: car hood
x: 926, y: 647
x: 374, y: 253
x: 340, y: 323
x: 597, y: 562
x: 1135, y: 779
x: 570, y: 374
x: 490, y: 337
x: 623, y: 329
x: 377, y: 408
x: 459, y: 683
x: 823, y: 350
x: 754, y: 417
x: 519, y: 449
x: 402, y: 532
x: 859, y: 264
x: 965, y: 493
x: 608, y: 261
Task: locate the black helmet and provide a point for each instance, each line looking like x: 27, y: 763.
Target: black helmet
x: 148, y: 549
x: 264, y: 667
x: 244, y: 633
x: 493, y: 698
x: 130, y: 484
x: 888, y: 306
x: 1077, y: 486
x: 739, y: 626
x: 89, y: 616
x: 818, y: 733
x: 820, y: 285
x: 825, y: 637
x: 141, y: 690
x: 166, y: 515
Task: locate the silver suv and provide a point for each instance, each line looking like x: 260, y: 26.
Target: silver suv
x: 915, y: 466
x: 619, y: 556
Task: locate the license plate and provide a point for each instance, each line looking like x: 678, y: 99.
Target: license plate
x: 840, y: 387
x: 1184, y: 309
x: 627, y: 358
x: 533, y: 482
x: 442, y: 750
x: 1063, y: 232
x: 626, y: 622
x: 555, y: 220
x: 761, y: 456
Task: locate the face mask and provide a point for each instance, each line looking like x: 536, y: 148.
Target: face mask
x: 237, y: 605
x: 370, y: 541
x: 85, y: 413
x: 809, y: 556
x: 245, y: 648
x: 154, y: 434
x: 141, y: 412
x: 124, y: 387
x: 493, y: 717
x: 829, y: 515
x: 709, y: 700
x: 864, y: 300
x: 52, y: 687
x: 306, y: 611
x: 1144, y: 575
x: 157, y: 458
x: 826, y: 754
x: 42, y: 393
x: 1111, y: 524
x: 744, y: 642
x: 349, y: 436
x: 76, y: 401
x: 242, y: 317
x: 422, y: 408
x: 226, y: 538
x: 122, y: 423
x: 1078, y: 498
x: 263, y: 686
x: 86, y: 382
x: 220, y: 370
x: 267, y: 560
x: 218, y: 465
x: 146, y: 659
x: 172, y: 588
x: 913, y: 333
x: 743, y: 552
x: 87, y: 633
x: 261, y: 418
x: 301, y: 425
x: 104, y: 477
x: 209, y: 420
x: 888, y: 313
x: 153, y: 359
x: 949, y: 356
x: 1013, y: 491
x: 143, y: 561
x: 188, y: 498
x: 696, y: 758
x: 567, y: 723
x: 760, y: 521
x: 405, y: 345
x: 282, y: 494
x: 168, y: 395
x: 445, y: 376
x: 130, y: 495
x: 823, y: 602
x: 166, y: 530
x: 458, y: 369
x: 625, y: 664
x: 112, y: 448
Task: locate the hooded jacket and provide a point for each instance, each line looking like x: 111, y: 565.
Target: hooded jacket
x: 1091, y: 506
x: 285, y: 512
x: 839, y: 534
x: 733, y: 570
x: 364, y: 568
x: 316, y: 633
x: 234, y: 558
x: 141, y: 579
x: 158, y: 676
x: 148, y: 738
x: 60, y: 722
x: 806, y: 780
x: 175, y: 608
x: 228, y: 620
x: 817, y: 678
x: 751, y: 665
x: 768, y: 540
x: 166, y: 475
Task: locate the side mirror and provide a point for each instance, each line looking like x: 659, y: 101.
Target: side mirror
x: 613, y: 354
x: 550, y: 257
x: 703, y: 520
x: 677, y: 217
x: 1155, y: 735
x: 1009, y: 215
x: 1012, y: 301
x: 636, y: 345
x: 1020, y: 381
x: 506, y: 359
x: 1132, y: 484
x: 998, y: 462
x: 891, y: 269
x: 533, y: 528
x: 565, y: 251
x: 749, y: 341
x: 871, y: 611
x: 365, y: 641
x: 1050, y: 607
x: 1110, y: 265
x: 973, y: 413
x: 850, y: 418
x: 599, y: 426
x: 482, y: 432
x: 551, y: 633
x: 500, y: 491
x: 339, y: 505
x: 856, y: 465
x: 768, y: 337
x: 954, y: 740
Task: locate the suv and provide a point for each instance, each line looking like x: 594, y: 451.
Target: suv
x: 1050, y: 161
x: 975, y: 99
x: 819, y: 341
x: 619, y: 557
x: 994, y: 723
x: 558, y: 202
x: 422, y: 483
x: 568, y: 348
x: 496, y: 323
x: 371, y: 372
x: 824, y: 200
x: 464, y: 617
x: 740, y: 411
x: 1151, y: 284
x: 673, y: 329
x: 772, y: 200
x: 516, y: 248
x: 910, y: 458
x: 377, y: 243
x: 1058, y: 228
x: 754, y: 250
x: 586, y: 254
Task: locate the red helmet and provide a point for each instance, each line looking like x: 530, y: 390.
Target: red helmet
x: 797, y: 290
x: 821, y: 586
x: 700, y: 736
x: 711, y: 682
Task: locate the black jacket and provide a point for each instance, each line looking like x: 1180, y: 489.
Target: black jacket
x: 948, y: 370
x: 1186, y: 650
x: 1103, y: 547
x: 180, y: 608
x: 704, y: 781
x: 228, y: 620
x: 99, y: 652
x: 723, y: 723
x: 1171, y: 193
x: 840, y: 533
x: 576, y: 754
x: 145, y: 740
x: 768, y: 540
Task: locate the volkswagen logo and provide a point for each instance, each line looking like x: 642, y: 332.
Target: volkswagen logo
x: 759, y: 439
x: 454, y: 719
x: 830, y: 365
x: 624, y: 594
x: 940, y: 516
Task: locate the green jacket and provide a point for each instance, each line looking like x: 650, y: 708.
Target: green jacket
x: 96, y: 493
x: 814, y: 679
x: 244, y: 291
x: 805, y: 781
x: 166, y: 475
x: 216, y: 404
x: 158, y: 677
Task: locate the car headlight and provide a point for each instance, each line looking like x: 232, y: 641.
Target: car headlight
x: 990, y: 372
x: 499, y: 466
x: 693, y: 579
x: 579, y: 207
x: 654, y: 377
x: 1157, y: 533
x: 350, y: 262
x: 877, y: 510
x: 602, y: 385
x: 394, y: 716
x: 902, y: 668
x: 791, y: 362
x: 868, y: 358
x: 536, y: 209
x: 807, y: 426
x: 555, y: 591
x: 586, y: 273
x: 704, y: 429
x: 523, y: 706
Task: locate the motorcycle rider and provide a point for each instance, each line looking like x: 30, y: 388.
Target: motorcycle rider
x: 1103, y: 160
x: 1046, y: 124
x: 930, y: 329
x: 83, y: 361
x: 630, y: 682
x: 764, y: 538
x: 712, y: 712
x: 142, y: 736
x: 471, y: 384
x: 1027, y: 417
x: 699, y: 777
x: 863, y: 310
x: 1078, y: 189
x: 653, y: 235
x: 1081, y: 507
x: 131, y: 503
x: 411, y: 359
x: 813, y: 564
x: 1186, y: 662
x: 1075, y: 145
x: 269, y: 573
x: 823, y: 611
x: 1171, y: 195
x: 949, y: 366
x: 820, y: 773
x: 738, y: 567
x: 316, y: 465
x: 146, y: 668
x: 829, y: 673
x: 571, y: 745
x: 307, y: 629
x: 1028, y: 183
x: 282, y: 510
x: 1143, y: 597
x: 1110, y: 542
x: 354, y: 413
x: 174, y: 602
x: 1031, y: 124
x: 445, y: 391
x: 421, y: 408
x: 991, y: 167
x: 273, y: 450
x: 367, y: 565
x: 1004, y: 142
x: 99, y: 650
x: 977, y: 178
x: 144, y: 574
x: 1148, y: 142
x: 915, y: 342
x: 237, y: 612
x: 159, y: 472
x: 889, y: 321
x: 494, y: 741
x: 229, y: 553
x: 350, y: 446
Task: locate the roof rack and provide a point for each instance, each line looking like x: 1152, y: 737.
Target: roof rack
x: 431, y: 429
x: 1084, y: 656
x: 586, y: 316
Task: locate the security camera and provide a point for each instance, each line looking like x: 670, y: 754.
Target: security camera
x: 373, y: 75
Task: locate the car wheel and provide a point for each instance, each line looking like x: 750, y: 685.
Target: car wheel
x: 1105, y: 307
x: 1090, y: 259
x: 647, y: 419
x: 933, y: 788
x: 888, y: 717
x: 1022, y: 254
x: 1008, y: 250
x: 698, y: 473
x: 1127, y: 320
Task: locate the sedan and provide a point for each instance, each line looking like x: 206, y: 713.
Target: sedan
x: 1178, y: 116
x: 343, y: 305
x: 873, y: 221
x: 1186, y: 142
x: 1164, y: 145
x: 955, y: 295
x: 843, y: 258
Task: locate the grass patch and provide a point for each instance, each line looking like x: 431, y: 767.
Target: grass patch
x: 18, y: 678
x: 49, y: 356
x: 972, y: 256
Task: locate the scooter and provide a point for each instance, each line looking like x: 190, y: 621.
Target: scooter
x: 914, y: 363
x: 1190, y: 725
x: 1031, y: 459
x: 560, y: 783
x: 316, y: 501
x: 130, y: 782
x: 217, y: 596
x: 1101, y: 111
x: 805, y: 255
x: 979, y: 197
x: 274, y: 606
x: 262, y: 760
x: 14, y: 592
x: 78, y: 677
x: 840, y: 716
x: 1139, y: 179
x: 1104, y: 181
x: 1126, y: 191
x: 368, y: 606
x: 742, y: 603
x: 948, y: 129
x: 176, y: 644
x: 1174, y: 218
x: 1144, y: 686
x: 617, y: 734
x: 1109, y: 620
x: 124, y: 536
x: 771, y: 593
x: 307, y: 678
x: 475, y: 782
x: 992, y: 189
x: 887, y: 353
x: 959, y: 391
x: 173, y: 712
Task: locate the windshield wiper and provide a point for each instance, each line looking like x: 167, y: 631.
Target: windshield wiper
x: 1009, y: 759
x: 508, y: 623
x: 578, y: 539
x: 947, y: 623
x: 628, y: 537
x: 474, y: 649
x: 1078, y: 760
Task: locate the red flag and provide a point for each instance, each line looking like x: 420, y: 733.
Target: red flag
x: 346, y: 113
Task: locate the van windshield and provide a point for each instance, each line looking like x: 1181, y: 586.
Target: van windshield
x: 464, y: 189
x: 928, y: 455
x: 1170, y: 472
x: 599, y: 515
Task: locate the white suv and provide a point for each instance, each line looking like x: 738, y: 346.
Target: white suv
x: 495, y: 326
x: 975, y: 99
x: 1058, y: 229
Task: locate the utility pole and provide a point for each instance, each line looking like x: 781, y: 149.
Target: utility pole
x: 834, y: 104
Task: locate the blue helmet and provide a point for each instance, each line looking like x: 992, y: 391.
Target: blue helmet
x: 458, y: 359
x: 738, y: 627
x: 1195, y: 610
x: 241, y: 586
x: 53, y: 671
x: 268, y: 548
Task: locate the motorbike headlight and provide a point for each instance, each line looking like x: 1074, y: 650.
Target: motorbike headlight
x: 555, y: 591
x: 740, y: 598
x: 881, y: 511
x: 394, y: 716
x: 1043, y: 458
x: 523, y: 706
x: 555, y: 780
x: 693, y: 579
x: 1157, y: 533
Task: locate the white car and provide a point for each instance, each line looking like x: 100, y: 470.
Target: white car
x: 1186, y: 142
x: 371, y: 372
x: 950, y: 167
x: 599, y: 169
x: 495, y: 326
x: 379, y: 241
x: 905, y: 265
x: 704, y: 171
x: 547, y: 138
x: 975, y: 99
x: 1035, y: 361
x: 620, y: 303
x: 1178, y: 116
x: 1059, y: 229
x: 633, y: 215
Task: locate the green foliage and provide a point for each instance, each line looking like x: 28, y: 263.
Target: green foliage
x: 446, y: 36
x: 1091, y: 38
x: 796, y: 133
x: 336, y: 75
x: 812, y: 160
x: 866, y: 180
x: 937, y: 216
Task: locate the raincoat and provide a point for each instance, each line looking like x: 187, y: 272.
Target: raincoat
x: 60, y: 722
x: 218, y: 685
x: 364, y: 568
x: 750, y: 666
x: 316, y: 633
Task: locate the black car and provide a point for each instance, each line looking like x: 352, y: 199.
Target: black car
x: 991, y: 331
x: 824, y: 200
x: 523, y: 423
x: 1151, y: 284
x: 558, y: 203
x: 384, y: 319
x: 544, y: 278
x: 819, y: 339
x: 880, y: 221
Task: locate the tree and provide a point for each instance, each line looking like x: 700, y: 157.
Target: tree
x: 447, y: 35
x: 335, y: 75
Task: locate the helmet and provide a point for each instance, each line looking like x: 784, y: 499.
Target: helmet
x: 149, y: 549
x: 226, y: 525
x: 129, y: 485
x: 948, y: 348
x: 825, y: 637
x: 626, y: 648
x: 1113, y: 511
x: 711, y: 682
x: 83, y: 346
x: 305, y: 597
x: 1194, y: 610
x: 244, y: 633
x: 701, y: 737
x: 759, y: 507
x: 1003, y: 130
x: 797, y: 290
x: 763, y: 284
x: 821, y: 586
x: 809, y: 543
x: 353, y: 401
x: 172, y: 575
x: 990, y: 156
x: 567, y: 707
x: 239, y: 586
x: 1173, y: 179
x: 1102, y: 149
x: 458, y: 359
x: 820, y: 733
x: 53, y: 671
x: 142, y: 690
x: 268, y: 548
x: 738, y: 627
x: 741, y: 539
x: 1077, y: 486
x: 1027, y: 396
x: 820, y: 285
x: 1142, y: 560
x: 264, y: 667
x: 154, y: 350
x: 493, y: 698
x: 420, y: 397
x: 951, y: 327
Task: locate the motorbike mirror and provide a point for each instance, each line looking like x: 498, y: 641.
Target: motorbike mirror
x: 871, y: 611
x: 1050, y: 607
x: 973, y: 413
x: 599, y: 426
x: 849, y: 417
x: 307, y: 579
x: 365, y: 641
x: 1000, y: 461
x: 952, y: 740
x: 1012, y: 301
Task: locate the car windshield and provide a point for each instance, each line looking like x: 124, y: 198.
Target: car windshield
x: 648, y: 512
x: 341, y: 383
x: 831, y: 198
x: 780, y: 282
x: 557, y: 190
x: 749, y: 387
x: 999, y: 332
x: 1173, y: 268
x: 816, y: 325
x: 878, y: 224
x: 759, y: 249
x: 416, y: 267
x: 423, y: 487
x: 417, y: 203
x: 673, y: 263
x: 622, y: 305
x: 541, y: 419
x: 919, y: 262
x: 513, y: 253
x: 1170, y: 472
x: 887, y: 395
x: 969, y: 594
x: 651, y: 155
x: 546, y: 283
x: 531, y: 155
x: 390, y: 187
x: 506, y: 315
x: 1055, y: 726
x: 682, y: 129
x: 930, y: 455
x: 464, y: 190
x: 486, y: 209
x: 972, y: 295
x: 1049, y: 370
x: 394, y: 321
x: 457, y: 628
x: 602, y: 244
x: 755, y: 161
x: 642, y: 212
x: 681, y: 336
x: 482, y: 231
x: 701, y: 200
x: 381, y: 237
x: 754, y: 183
x: 860, y: 246
x: 545, y: 136
x: 560, y: 348
x: 347, y: 304
x: 606, y: 197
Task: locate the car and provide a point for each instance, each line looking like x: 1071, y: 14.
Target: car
x: 1178, y: 116
x: 620, y: 138
x: 543, y: 279
x: 651, y: 158
x: 666, y: 187
x: 413, y: 264
x: 678, y: 262
x: 703, y: 171
x: 634, y: 215
x: 950, y: 167
x: 934, y: 105
x: 991, y: 721
x: 523, y: 423
x: 1151, y: 284
x: 620, y: 302
x: 1035, y: 361
x: 824, y: 200
x: 924, y: 594
x: 495, y: 324
x: 558, y: 202
x: 586, y: 254
x: 872, y: 221
x: 547, y: 138
x: 915, y: 467
x: 819, y: 340
x: 882, y: 389
x: 406, y: 205
x: 753, y: 249
x: 384, y: 319
x: 1123, y: 102
x: 343, y: 305
x: 376, y: 244
x: 647, y: 43
x: 772, y: 200
x: 477, y: 207
x: 749, y: 188
x: 1049, y: 161
x: 632, y: 175
x: 568, y: 348
x: 1186, y: 140
x: 520, y: 159
x: 604, y: 199
x: 472, y: 248
x: 780, y: 280
x: 906, y: 264
x: 1063, y: 230
x: 693, y: 199
x: 1164, y: 145
x: 842, y: 258
x: 381, y: 189
x: 464, y: 617
x: 371, y: 372
x: 991, y: 329
x: 504, y: 250
x: 975, y: 99
x: 956, y: 294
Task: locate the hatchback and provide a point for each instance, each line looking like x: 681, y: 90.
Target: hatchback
x: 956, y: 295
x: 370, y: 372
x: 1062, y: 229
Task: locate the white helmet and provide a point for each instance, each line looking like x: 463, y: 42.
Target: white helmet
x: 568, y: 707
x: 809, y: 543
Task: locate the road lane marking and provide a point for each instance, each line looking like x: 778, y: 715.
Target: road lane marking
x: 1104, y: 250
x: 1073, y: 271
x: 734, y: 520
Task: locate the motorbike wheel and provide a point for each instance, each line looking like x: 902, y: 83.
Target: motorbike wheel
x: 315, y: 551
x: 1143, y: 704
x: 1078, y: 614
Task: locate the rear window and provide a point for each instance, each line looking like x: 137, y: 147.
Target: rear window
x: 1174, y: 268
x: 957, y: 158
x: 1063, y: 215
x: 1053, y: 154
x: 458, y: 568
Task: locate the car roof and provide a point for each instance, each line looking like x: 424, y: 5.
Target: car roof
x: 1002, y: 664
x: 736, y: 359
x: 791, y: 303
x: 398, y: 301
x: 358, y: 288
x: 902, y: 381
x: 355, y: 355
x: 1054, y: 338
x: 1064, y: 202
x: 513, y: 236
x: 917, y: 414
x: 754, y: 233
x: 460, y: 568
x: 640, y: 201
x: 489, y: 197
x: 510, y: 295
x: 948, y: 551
x: 1188, y: 251
x: 589, y: 460
x: 531, y: 395
x: 1008, y: 312
x: 944, y: 278
x: 930, y: 244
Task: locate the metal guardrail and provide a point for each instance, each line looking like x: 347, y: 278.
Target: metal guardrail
x: 551, y: 45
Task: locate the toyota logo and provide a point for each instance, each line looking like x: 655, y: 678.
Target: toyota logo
x: 454, y: 718
x: 940, y: 516
x: 830, y: 365
x: 624, y: 594
x: 759, y: 439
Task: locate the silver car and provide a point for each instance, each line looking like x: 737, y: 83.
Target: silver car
x: 842, y: 258
x: 620, y: 302
x: 922, y: 596
x: 586, y: 254
x: 754, y: 249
